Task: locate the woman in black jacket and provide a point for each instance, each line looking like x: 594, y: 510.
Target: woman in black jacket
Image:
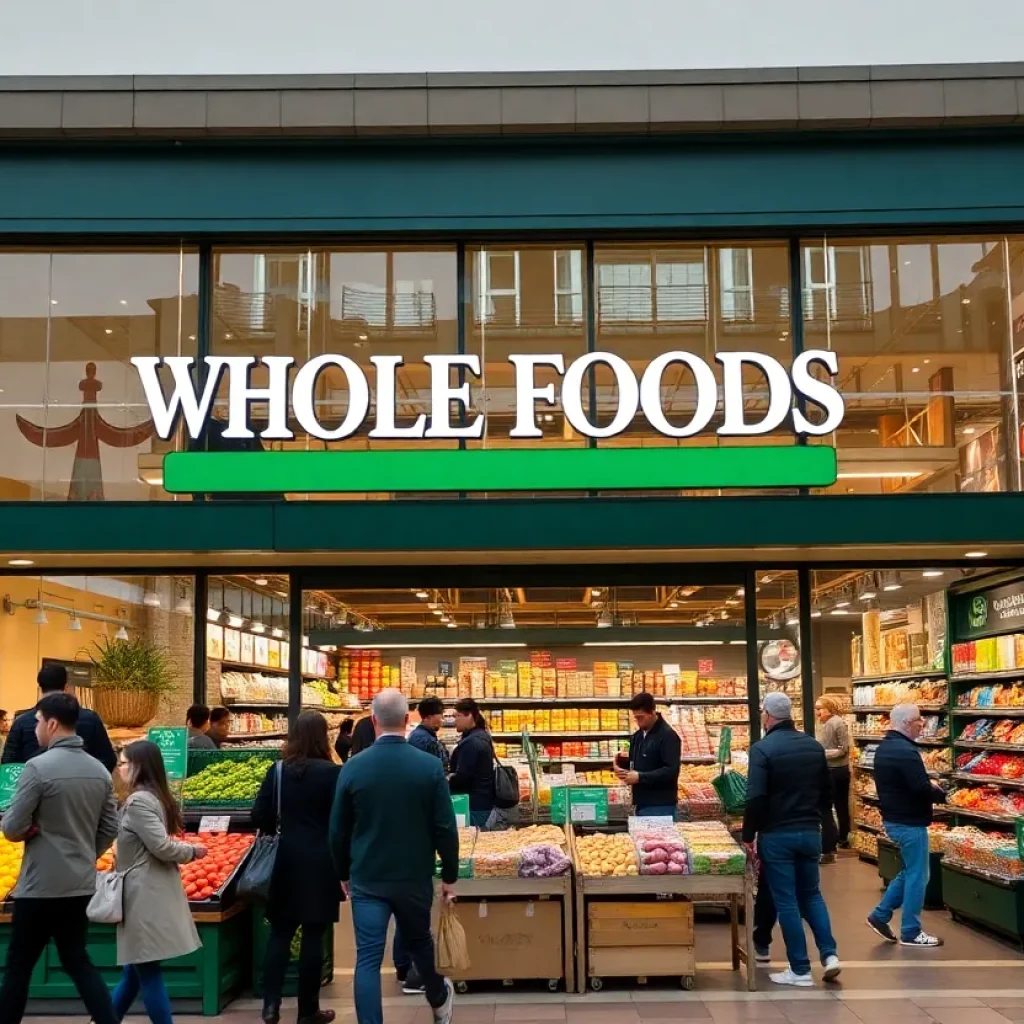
x: 472, y: 762
x: 343, y: 744
x: 305, y: 890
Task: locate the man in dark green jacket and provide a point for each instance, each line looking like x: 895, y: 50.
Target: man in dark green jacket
x: 392, y: 817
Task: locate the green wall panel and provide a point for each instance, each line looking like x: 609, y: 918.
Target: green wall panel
x: 685, y: 182
x: 513, y: 524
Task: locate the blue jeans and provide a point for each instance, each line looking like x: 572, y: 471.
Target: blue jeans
x: 479, y: 819
x: 906, y: 890
x: 666, y: 811
x: 790, y: 862
x: 150, y: 980
x: 373, y: 906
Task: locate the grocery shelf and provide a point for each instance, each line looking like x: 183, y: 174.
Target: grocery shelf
x: 868, y: 828
x: 994, y: 712
x: 877, y: 738
x: 574, y: 760
x: 257, y: 704
x: 867, y: 796
x: 494, y: 702
x: 240, y: 666
x: 1006, y: 748
x: 871, y: 709
x: 900, y: 677
x: 1003, y: 674
x: 1003, y: 819
x: 237, y: 736
x: 559, y: 732
x: 988, y: 780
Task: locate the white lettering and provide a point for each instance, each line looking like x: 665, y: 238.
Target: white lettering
x: 818, y: 392
x: 304, y: 390
x: 385, y: 428
x: 442, y: 394
x: 572, y: 395
x: 527, y: 392
x: 704, y: 382
x: 780, y: 394
x: 183, y: 400
x: 240, y: 394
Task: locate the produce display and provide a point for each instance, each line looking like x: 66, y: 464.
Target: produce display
x: 865, y: 843
x: 988, y: 800
x: 1005, y: 766
x: 660, y: 848
x: 938, y: 833
x: 590, y: 750
x: 537, y: 851
x: 10, y: 865
x: 989, y: 852
x: 204, y: 878
x: 692, y: 728
x: 874, y: 726
x: 253, y: 688
x: 227, y: 782
x: 868, y: 815
x: 246, y: 724
x: 1007, y: 731
x: 998, y: 695
x: 712, y: 851
x: 933, y: 692
x: 937, y: 760
x: 994, y: 654
x: 864, y: 785
x: 698, y: 800
x: 606, y: 856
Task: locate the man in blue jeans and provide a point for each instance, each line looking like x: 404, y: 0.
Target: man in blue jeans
x: 789, y: 792
x: 392, y: 815
x: 905, y: 797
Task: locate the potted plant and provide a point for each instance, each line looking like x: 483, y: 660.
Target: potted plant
x: 129, y: 678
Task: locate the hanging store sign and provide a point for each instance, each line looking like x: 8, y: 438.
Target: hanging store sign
x: 984, y: 613
x: 289, y: 397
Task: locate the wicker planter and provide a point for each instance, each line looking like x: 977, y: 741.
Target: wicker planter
x: 125, y: 708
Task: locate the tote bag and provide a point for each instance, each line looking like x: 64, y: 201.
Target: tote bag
x: 254, y: 881
x: 107, y: 903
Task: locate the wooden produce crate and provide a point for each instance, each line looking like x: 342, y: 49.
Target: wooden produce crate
x: 517, y: 929
x: 644, y: 893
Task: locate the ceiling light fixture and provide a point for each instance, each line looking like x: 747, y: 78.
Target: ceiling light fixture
x: 235, y: 621
x: 213, y: 614
x: 930, y: 573
x: 975, y: 554
x: 75, y: 623
x: 121, y: 634
x: 277, y: 633
x: 261, y: 581
x: 20, y: 561
x: 969, y: 430
x: 257, y: 627
x: 453, y: 625
x: 422, y: 595
x: 151, y: 599
x: 40, y: 618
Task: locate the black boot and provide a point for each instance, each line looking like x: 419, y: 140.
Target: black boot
x: 271, y: 1013
x: 320, y: 1017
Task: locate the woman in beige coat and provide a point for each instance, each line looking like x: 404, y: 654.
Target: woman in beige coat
x: 157, y: 922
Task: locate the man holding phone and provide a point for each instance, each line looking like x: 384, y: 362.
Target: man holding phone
x: 652, y: 766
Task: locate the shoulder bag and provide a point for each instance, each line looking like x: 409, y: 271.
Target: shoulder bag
x: 107, y: 903
x: 254, y: 881
x: 506, y: 785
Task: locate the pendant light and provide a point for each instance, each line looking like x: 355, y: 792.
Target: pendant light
x: 121, y: 634
x: 75, y: 623
x: 40, y: 618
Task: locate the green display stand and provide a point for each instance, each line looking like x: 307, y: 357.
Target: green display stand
x: 890, y: 864
x: 997, y: 905
x: 213, y: 975
x: 260, y: 937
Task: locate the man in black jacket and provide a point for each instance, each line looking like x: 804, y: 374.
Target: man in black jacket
x: 789, y: 792
x: 905, y: 796
x: 654, y: 759
x: 22, y: 743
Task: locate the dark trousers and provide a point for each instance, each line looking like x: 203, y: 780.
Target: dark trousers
x: 764, y: 913
x: 831, y: 835
x: 311, y: 960
x: 373, y: 906
x: 34, y: 923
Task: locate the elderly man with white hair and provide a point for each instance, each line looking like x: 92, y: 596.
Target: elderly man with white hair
x: 392, y: 817
x: 905, y: 797
x: 789, y: 792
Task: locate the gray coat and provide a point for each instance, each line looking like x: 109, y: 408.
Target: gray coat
x: 68, y: 796
x: 157, y: 920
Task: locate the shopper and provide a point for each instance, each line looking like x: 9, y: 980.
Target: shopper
x: 654, y: 760
x: 157, y: 923
x: 220, y: 725
x: 834, y: 736
x: 22, y: 743
x: 765, y: 917
x: 392, y: 819
x: 905, y: 796
x: 788, y: 796
x: 472, y: 763
x: 363, y: 735
x: 197, y: 721
x: 424, y: 737
x: 64, y: 811
x: 343, y: 744
x: 5, y: 727
x: 304, y: 890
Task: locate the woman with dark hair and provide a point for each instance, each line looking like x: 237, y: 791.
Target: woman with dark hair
x: 343, y: 744
x: 472, y: 762
x: 157, y: 924
x: 304, y: 890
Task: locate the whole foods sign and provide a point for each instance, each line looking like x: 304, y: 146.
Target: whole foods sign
x: 289, y: 397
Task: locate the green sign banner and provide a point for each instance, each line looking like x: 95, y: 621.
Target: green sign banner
x: 9, y: 775
x: 173, y: 744
x: 500, y: 469
x: 984, y: 613
x: 1018, y: 828
x: 581, y: 805
x: 460, y: 804
x: 725, y: 745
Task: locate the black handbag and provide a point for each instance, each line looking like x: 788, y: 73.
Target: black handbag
x: 506, y: 785
x: 254, y: 881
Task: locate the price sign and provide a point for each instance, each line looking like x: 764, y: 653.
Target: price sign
x: 705, y: 666
x: 173, y: 744
x: 214, y: 822
x: 460, y: 804
x: 582, y: 812
x: 9, y: 775
x: 579, y: 804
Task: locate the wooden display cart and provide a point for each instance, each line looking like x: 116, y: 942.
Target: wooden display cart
x: 517, y: 929
x: 641, y: 926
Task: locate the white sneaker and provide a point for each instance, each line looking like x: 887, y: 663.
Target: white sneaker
x: 443, y: 1013
x: 832, y: 968
x: 787, y: 977
x: 922, y: 941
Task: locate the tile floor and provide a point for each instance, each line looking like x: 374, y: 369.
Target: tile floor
x: 973, y: 979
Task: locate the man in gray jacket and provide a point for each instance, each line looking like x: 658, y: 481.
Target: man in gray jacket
x: 64, y: 810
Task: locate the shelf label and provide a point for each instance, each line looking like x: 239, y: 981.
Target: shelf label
x: 173, y: 744
x: 214, y: 822
x: 9, y: 775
